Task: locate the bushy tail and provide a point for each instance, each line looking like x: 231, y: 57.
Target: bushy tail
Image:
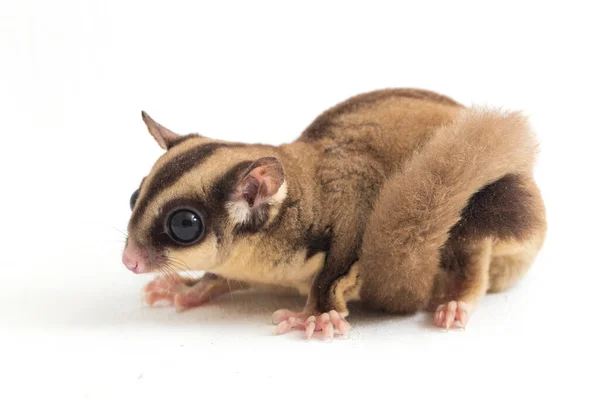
x: 421, y: 202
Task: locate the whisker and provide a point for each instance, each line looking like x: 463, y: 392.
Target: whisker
x: 230, y: 291
x: 120, y: 231
x: 168, y: 273
x: 181, y: 265
x: 240, y: 284
x: 179, y: 260
x: 175, y: 267
x: 178, y: 263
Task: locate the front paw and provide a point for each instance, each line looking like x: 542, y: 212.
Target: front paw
x: 162, y: 289
x: 288, y: 320
x: 178, y: 292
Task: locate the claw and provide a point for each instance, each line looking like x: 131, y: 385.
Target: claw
x: 340, y: 324
x: 324, y: 321
x: 310, y: 326
x: 462, y: 314
x: 328, y: 331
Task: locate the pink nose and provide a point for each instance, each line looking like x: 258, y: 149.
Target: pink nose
x: 130, y: 263
x: 133, y: 259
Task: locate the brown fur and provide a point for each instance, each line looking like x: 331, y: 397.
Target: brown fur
x: 399, y: 197
x: 446, y: 185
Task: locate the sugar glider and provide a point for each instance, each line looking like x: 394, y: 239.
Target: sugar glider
x: 402, y: 199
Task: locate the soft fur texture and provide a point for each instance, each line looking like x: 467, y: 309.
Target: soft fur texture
x: 400, y: 198
x: 470, y: 183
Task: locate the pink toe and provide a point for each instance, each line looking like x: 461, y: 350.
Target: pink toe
x: 283, y: 327
x: 328, y: 331
x: 440, y: 318
x: 344, y: 328
x: 282, y: 315
x: 340, y: 324
x: 310, y: 329
x: 154, y: 297
x: 452, y: 306
x: 449, y: 320
x: 294, y: 321
x: 187, y: 300
x: 322, y: 320
x: 462, y: 317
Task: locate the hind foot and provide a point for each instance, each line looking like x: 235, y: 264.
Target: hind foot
x: 287, y: 320
x: 453, y: 312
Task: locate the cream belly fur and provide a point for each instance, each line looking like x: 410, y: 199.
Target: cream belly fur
x: 297, y: 272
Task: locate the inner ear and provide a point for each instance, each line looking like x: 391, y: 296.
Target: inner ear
x: 165, y: 137
x: 261, y: 182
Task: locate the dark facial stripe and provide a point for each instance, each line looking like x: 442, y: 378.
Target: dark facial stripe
x: 212, y: 209
x: 170, y: 173
x: 221, y: 191
x: 182, y: 139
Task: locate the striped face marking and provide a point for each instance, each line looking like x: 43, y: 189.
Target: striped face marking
x: 170, y: 171
x: 198, y: 197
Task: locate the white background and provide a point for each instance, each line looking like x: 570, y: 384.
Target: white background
x: 74, y: 76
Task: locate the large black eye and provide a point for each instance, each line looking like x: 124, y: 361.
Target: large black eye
x: 133, y: 199
x: 185, y: 226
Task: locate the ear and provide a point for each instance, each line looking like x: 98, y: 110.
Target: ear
x: 263, y: 184
x: 163, y: 136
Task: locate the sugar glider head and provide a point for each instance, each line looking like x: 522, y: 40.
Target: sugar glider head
x: 200, y: 196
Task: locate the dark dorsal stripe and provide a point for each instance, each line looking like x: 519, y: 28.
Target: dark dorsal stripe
x: 170, y: 173
x: 321, y: 126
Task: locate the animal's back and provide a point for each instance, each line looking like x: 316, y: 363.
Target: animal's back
x: 388, y: 124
